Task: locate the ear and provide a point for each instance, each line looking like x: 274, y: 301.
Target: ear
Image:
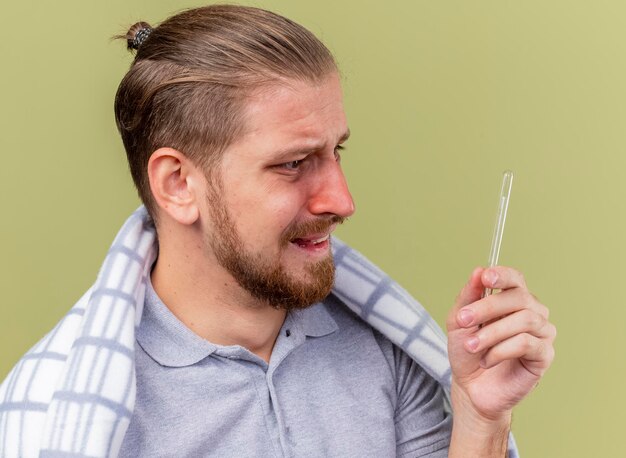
x: 175, y: 183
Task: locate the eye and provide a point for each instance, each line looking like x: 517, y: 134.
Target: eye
x: 292, y: 165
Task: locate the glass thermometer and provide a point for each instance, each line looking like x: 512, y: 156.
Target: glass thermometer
x: 498, y: 230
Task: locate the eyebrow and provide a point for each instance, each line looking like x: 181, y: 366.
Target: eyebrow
x: 305, y: 150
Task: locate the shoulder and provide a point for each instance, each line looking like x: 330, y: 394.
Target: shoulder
x: 352, y: 328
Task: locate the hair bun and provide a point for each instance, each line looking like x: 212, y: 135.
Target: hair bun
x: 137, y: 34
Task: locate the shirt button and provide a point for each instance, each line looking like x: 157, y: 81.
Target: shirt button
x: 288, y: 332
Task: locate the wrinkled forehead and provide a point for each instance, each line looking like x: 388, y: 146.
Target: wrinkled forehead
x: 296, y: 110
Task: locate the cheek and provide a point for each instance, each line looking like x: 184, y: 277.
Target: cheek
x: 263, y: 206
x: 286, y: 207
x: 262, y: 217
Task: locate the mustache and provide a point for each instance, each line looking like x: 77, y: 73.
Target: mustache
x: 301, y: 230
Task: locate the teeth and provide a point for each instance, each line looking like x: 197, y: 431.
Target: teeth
x: 305, y: 242
x: 323, y: 239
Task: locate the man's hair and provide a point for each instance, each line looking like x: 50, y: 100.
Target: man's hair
x: 191, y: 75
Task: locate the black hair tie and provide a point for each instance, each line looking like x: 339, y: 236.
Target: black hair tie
x: 140, y: 37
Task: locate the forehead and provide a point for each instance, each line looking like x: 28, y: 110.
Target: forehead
x: 295, y: 112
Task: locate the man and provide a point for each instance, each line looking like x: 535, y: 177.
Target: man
x: 233, y: 123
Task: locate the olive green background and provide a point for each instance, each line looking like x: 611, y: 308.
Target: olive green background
x: 441, y: 96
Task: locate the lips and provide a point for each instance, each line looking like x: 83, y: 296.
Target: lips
x: 313, y: 236
x: 310, y: 241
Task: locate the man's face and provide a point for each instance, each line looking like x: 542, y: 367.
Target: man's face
x: 280, y: 191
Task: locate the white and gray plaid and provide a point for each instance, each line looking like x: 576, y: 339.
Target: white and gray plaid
x: 73, y: 393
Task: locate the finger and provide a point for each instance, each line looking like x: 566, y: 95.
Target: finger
x: 470, y: 293
x: 494, y: 306
x: 472, y: 290
x: 525, y: 321
x: 501, y: 277
x: 536, y: 354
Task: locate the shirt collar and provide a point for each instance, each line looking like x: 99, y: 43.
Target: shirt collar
x: 172, y: 344
x: 165, y: 338
x: 315, y: 321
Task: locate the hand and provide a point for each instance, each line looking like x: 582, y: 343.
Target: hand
x: 499, y: 346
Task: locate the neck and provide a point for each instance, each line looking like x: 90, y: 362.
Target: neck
x: 206, y: 298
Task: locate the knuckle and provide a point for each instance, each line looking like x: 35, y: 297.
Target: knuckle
x: 527, y: 341
x: 542, y: 321
x: 516, y: 276
x: 495, y: 354
x: 553, y: 331
x: 550, y: 353
x: 529, y: 317
x: 527, y: 298
x: 535, y: 321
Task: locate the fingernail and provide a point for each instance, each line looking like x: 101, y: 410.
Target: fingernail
x: 472, y: 343
x: 492, y: 277
x: 466, y: 317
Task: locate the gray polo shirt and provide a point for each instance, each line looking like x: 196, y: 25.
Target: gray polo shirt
x: 334, y: 387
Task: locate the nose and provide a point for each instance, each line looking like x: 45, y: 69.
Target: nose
x: 330, y: 192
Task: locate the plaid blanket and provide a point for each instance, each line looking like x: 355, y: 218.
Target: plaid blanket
x: 73, y: 393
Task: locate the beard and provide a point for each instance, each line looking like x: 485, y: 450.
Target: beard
x: 264, y: 278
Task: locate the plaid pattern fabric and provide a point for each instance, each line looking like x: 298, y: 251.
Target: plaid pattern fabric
x: 73, y: 393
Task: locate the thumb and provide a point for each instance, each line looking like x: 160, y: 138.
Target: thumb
x: 471, y: 292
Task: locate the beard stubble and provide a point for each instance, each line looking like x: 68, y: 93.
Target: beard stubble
x: 266, y: 279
